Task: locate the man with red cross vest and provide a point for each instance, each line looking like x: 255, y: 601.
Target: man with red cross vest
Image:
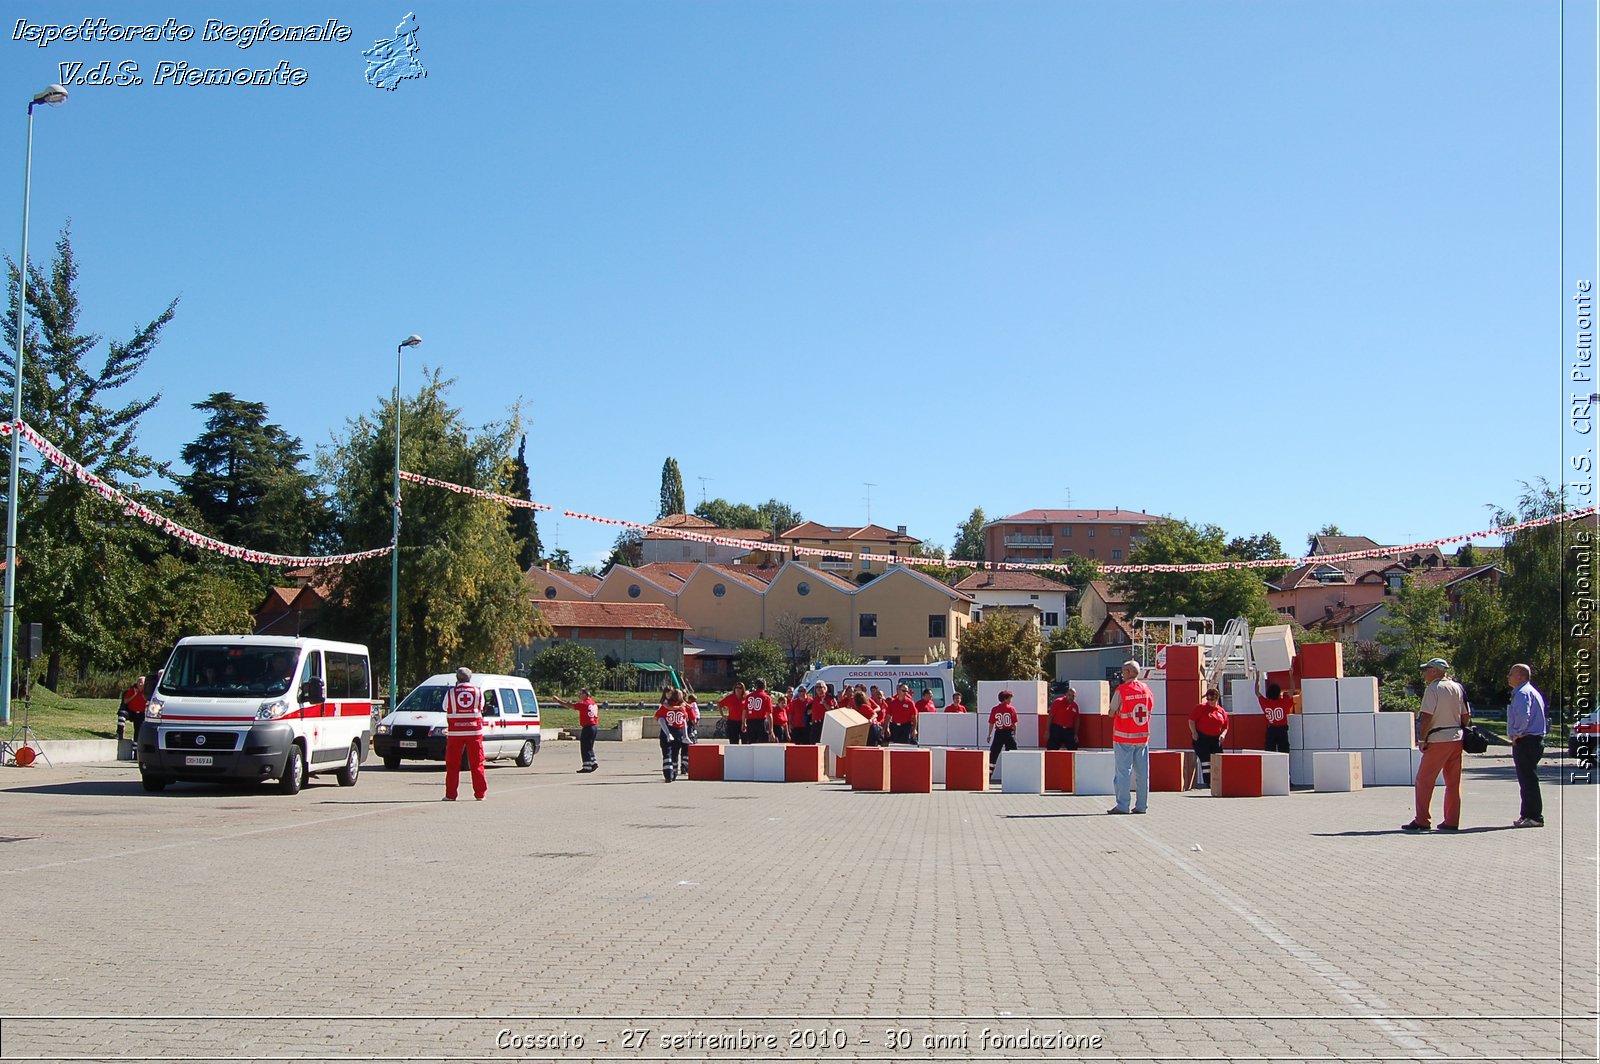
x: 463, y: 735
x: 1131, y: 706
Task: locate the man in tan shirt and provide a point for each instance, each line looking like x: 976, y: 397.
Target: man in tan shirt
x: 1444, y: 715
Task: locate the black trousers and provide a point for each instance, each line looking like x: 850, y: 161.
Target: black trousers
x: 734, y: 730
x: 1278, y: 738
x: 1004, y: 739
x: 900, y: 733
x: 1062, y: 738
x: 674, y: 748
x: 874, y: 735
x: 1204, y: 747
x: 755, y: 731
x: 1526, y: 753
x: 586, y: 743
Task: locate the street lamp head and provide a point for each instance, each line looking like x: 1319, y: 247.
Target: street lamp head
x: 411, y: 341
x: 54, y: 95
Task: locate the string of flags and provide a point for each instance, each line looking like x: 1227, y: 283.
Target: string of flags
x: 132, y: 508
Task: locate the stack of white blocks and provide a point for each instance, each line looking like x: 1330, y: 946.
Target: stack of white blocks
x: 1343, y: 715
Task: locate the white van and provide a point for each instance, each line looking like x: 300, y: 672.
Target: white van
x: 415, y: 730
x: 937, y: 678
x: 234, y: 708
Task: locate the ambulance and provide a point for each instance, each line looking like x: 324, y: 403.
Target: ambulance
x: 251, y: 708
x: 415, y: 731
x: 938, y: 678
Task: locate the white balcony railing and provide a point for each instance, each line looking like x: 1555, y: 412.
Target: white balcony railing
x: 835, y: 565
x: 1030, y: 541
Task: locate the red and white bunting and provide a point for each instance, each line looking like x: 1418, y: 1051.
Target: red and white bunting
x: 462, y: 489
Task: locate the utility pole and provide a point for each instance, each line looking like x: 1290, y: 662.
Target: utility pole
x: 702, y: 481
x: 870, y: 486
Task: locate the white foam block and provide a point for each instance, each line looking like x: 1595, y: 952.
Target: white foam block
x: 1339, y: 771
x: 963, y: 730
x: 1022, y: 772
x: 1244, y: 697
x: 1158, y: 696
x: 1320, y: 732
x: 739, y: 764
x: 1297, y: 731
x: 1027, y: 696
x: 1358, y: 694
x: 1274, y: 773
x: 1369, y: 768
x: 1272, y: 647
x: 931, y: 729
x: 1392, y: 768
x: 1395, y: 731
x: 768, y: 764
x: 1300, y: 767
x: 1158, y: 731
x: 938, y: 765
x: 1358, y: 731
x: 1028, y: 731
x: 834, y: 726
x: 1094, y: 696
x: 1093, y: 772
x: 1319, y: 696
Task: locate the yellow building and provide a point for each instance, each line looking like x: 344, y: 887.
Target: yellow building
x: 844, y: 546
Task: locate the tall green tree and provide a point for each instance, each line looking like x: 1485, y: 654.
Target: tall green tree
x: 1220, y: 594
x: 671, y: 489
x: 1545, y: 569
x: 778, y: 516
x: 1325, y: 530
x: 79, y: 574
x: 1416, y: 626
x: 462, y: 598
x: 524, y: 529
x: 773, y: 514
x: 969, y: 537
x: 246, y: 482
x: 1002, y: 646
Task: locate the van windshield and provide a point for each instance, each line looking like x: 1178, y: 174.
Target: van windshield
x: 222, y: 671
x: 428, y: 698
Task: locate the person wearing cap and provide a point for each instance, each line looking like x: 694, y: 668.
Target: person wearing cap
x: 1525, y: 727
x: 1131, y: 707
x: 1444, y: 714
x: 463, y: 736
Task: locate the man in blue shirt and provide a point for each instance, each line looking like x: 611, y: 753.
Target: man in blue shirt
x: 1525, y: 727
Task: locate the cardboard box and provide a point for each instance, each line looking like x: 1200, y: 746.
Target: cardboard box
x: 769, y: 765
x: 966, y: 770
x: 1027, y: 696
x: 1339, y: 771
x: 842, y: 728
x: 837, y: 765
x: 705, y: 761
x: 1246, y: 733
x: 1185, y: 662
x: 931, y: 729
x: 1395, y: 731
x: 1249, y: 775
x: 1358, y: 731
x: 1285, y: 679
x: 1323, y: 661
x: 1272, y: 647
x: 1172, y: 770
x: 964, y: 729
x: 1358, y: 694
x: 1022, y: 772
x: 1242, y: 698
x: 1030, y: 726
x: 739, y: 764
x: 910, y: 770
x: 869, y: 768
x: 1301, y: 768
x: 1058, y: 770
x: 1321, y: 731
x: 1158, y: 694
x: 1319, y: 696
x: 1392, y: 768
x: 1094, y: 696
x: 936, y: 760
x: 1297, y: 731
x: 1178, y: 737
x: 1093, y: 772
x: 1184, y: 695
x: 1369, y: 768
x: 801, y: 763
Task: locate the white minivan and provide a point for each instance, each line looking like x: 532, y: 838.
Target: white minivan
x: 938, y: 678
x: 241, y: 708
x: 415, y: 730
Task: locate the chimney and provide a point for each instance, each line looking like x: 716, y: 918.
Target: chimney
x: 901, y: 529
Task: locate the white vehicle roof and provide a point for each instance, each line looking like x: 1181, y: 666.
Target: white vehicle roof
x: 288, y: 642
x: 479, y: 679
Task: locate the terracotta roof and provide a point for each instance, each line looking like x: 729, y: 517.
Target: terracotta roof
x: 1009, y: 580
x: 710, y: 529
x: 582, y: 584
x: 280, y: 597
x: 1343, y: 615
x: 859, y: 533
x: 669, y: 574
x: 684, y: 521
x: 744, y: 576
x: 610, y: 615
x: 1078, y: 517
x: 1109, y: 597
x: 1342, y: 544
x: 1451, y: 576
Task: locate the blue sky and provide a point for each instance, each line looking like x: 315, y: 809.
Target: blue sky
x: 1264, y: 265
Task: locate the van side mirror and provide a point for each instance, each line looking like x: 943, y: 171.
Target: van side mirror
x: 311, y: 690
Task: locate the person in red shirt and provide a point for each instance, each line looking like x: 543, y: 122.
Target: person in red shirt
x: 1064, y: 722
x: 780, y: 719
x: 691, y: 709
x: 1276, y: 707
x: 822, y: 701
x: 925, y: 704
x: 757, y: 714
x: 588, y: 727
x: 864, y: 706
x: 463, y: 737
x: 902, y: 715
x: 1002, y: 729
x: 132, y: 710
x: 1208, y: 724
x: 956, y: 706
x: 674, y: 733
x: 732, y: 705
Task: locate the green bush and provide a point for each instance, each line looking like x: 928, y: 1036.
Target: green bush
x: 566, y: 667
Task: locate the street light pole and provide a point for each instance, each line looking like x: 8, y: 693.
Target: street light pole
x: 394, y: 568
x: 55, y: 96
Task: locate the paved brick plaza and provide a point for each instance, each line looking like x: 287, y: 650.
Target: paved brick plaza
x: 379, y: 922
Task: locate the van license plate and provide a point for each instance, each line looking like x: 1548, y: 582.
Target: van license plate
x: 408, y: 744
x: 198, y: 760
